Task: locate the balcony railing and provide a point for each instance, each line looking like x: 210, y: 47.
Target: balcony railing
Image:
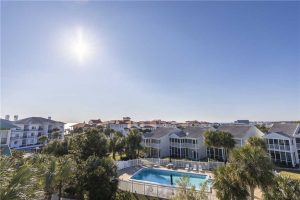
x: 279, y: 147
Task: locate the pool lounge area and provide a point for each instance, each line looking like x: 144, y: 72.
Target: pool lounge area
x: 170, y: 177
x: 152, y: 177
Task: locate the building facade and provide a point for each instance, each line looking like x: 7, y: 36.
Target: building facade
x: 26, y: 132
x: 240, y: 133
x: 283, y: 142
x: 176, y: 143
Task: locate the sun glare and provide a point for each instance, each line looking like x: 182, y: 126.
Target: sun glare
x: 80, y: 47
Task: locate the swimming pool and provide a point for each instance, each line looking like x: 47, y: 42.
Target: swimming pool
x: 163, y: 177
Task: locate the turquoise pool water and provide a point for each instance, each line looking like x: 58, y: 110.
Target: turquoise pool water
x: 164, y: 177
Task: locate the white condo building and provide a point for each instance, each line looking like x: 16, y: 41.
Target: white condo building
x: 189, y: 142
x: 283, y: 141
x: 240, y: 133
x: 24, y: 134
x: 177, y: 143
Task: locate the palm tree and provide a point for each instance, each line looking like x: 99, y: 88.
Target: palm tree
x: 49, y: 178
x: 283, y: 188
x: 133, y: 143
x: 188, y: 192
x: 212, y: 140
x: 257, y: 142
x: 16, y: 183
x: 252, y: 166
x: 227, y: 185
x: 226, y: 141
x: 218, y: 139
x: 116, y: 143
x: 64, y: 172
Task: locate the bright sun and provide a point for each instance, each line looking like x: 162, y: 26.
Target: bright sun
x: 80, y: 47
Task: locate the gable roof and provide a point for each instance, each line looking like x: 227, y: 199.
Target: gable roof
x: 195, y: 132
x: 160, y: 132
x: 81, y: 125
x: 35, y: 120
x: 284, y: 128
x: 180, y: 133
x: 6, y: 125
x: 237, y: 131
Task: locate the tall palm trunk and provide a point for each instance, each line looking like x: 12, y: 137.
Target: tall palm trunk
x: 114, y: 154
x: 59, y: 190
x: 252, y: 192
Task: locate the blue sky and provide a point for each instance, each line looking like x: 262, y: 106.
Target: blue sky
x: 214, y: 61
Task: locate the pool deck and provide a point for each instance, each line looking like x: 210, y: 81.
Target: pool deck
x: 126, y: 173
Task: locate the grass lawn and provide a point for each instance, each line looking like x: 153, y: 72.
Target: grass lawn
x: 291, y: 174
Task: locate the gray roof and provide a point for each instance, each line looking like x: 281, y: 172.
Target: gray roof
x: 160, y: 132
x: 284, y: 128
x: 237, y: 131
x: 6, y: 125
x: 180, y: 133
x: 35, y: 120
x: 195, y: 132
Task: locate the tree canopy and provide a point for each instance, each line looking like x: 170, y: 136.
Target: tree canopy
x: 283, y: 188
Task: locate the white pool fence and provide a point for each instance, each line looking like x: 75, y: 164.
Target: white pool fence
x: 153, y: 190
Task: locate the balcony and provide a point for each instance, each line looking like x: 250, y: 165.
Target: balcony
x: 279, y: 147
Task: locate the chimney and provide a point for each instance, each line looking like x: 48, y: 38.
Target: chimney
x: 16, y: 117
x: 6, y: 117
x: 49, y: 118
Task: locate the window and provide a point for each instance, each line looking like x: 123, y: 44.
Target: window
x: 15, y: 142
x: 286, y: 142
x: 3, y: 140
x: 282, y: 154
x: 271, y: 141
x: 289, y: 157
x: 275, y: 141
x: 32, y: 134
x: 277, y: 155
x: 272, y: 155
x: 281, y: 142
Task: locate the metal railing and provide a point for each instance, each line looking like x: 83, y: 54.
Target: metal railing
x: 279, y: 147
x: 153, y: 190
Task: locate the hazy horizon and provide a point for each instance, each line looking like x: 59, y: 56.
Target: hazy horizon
x: 206, y: 61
